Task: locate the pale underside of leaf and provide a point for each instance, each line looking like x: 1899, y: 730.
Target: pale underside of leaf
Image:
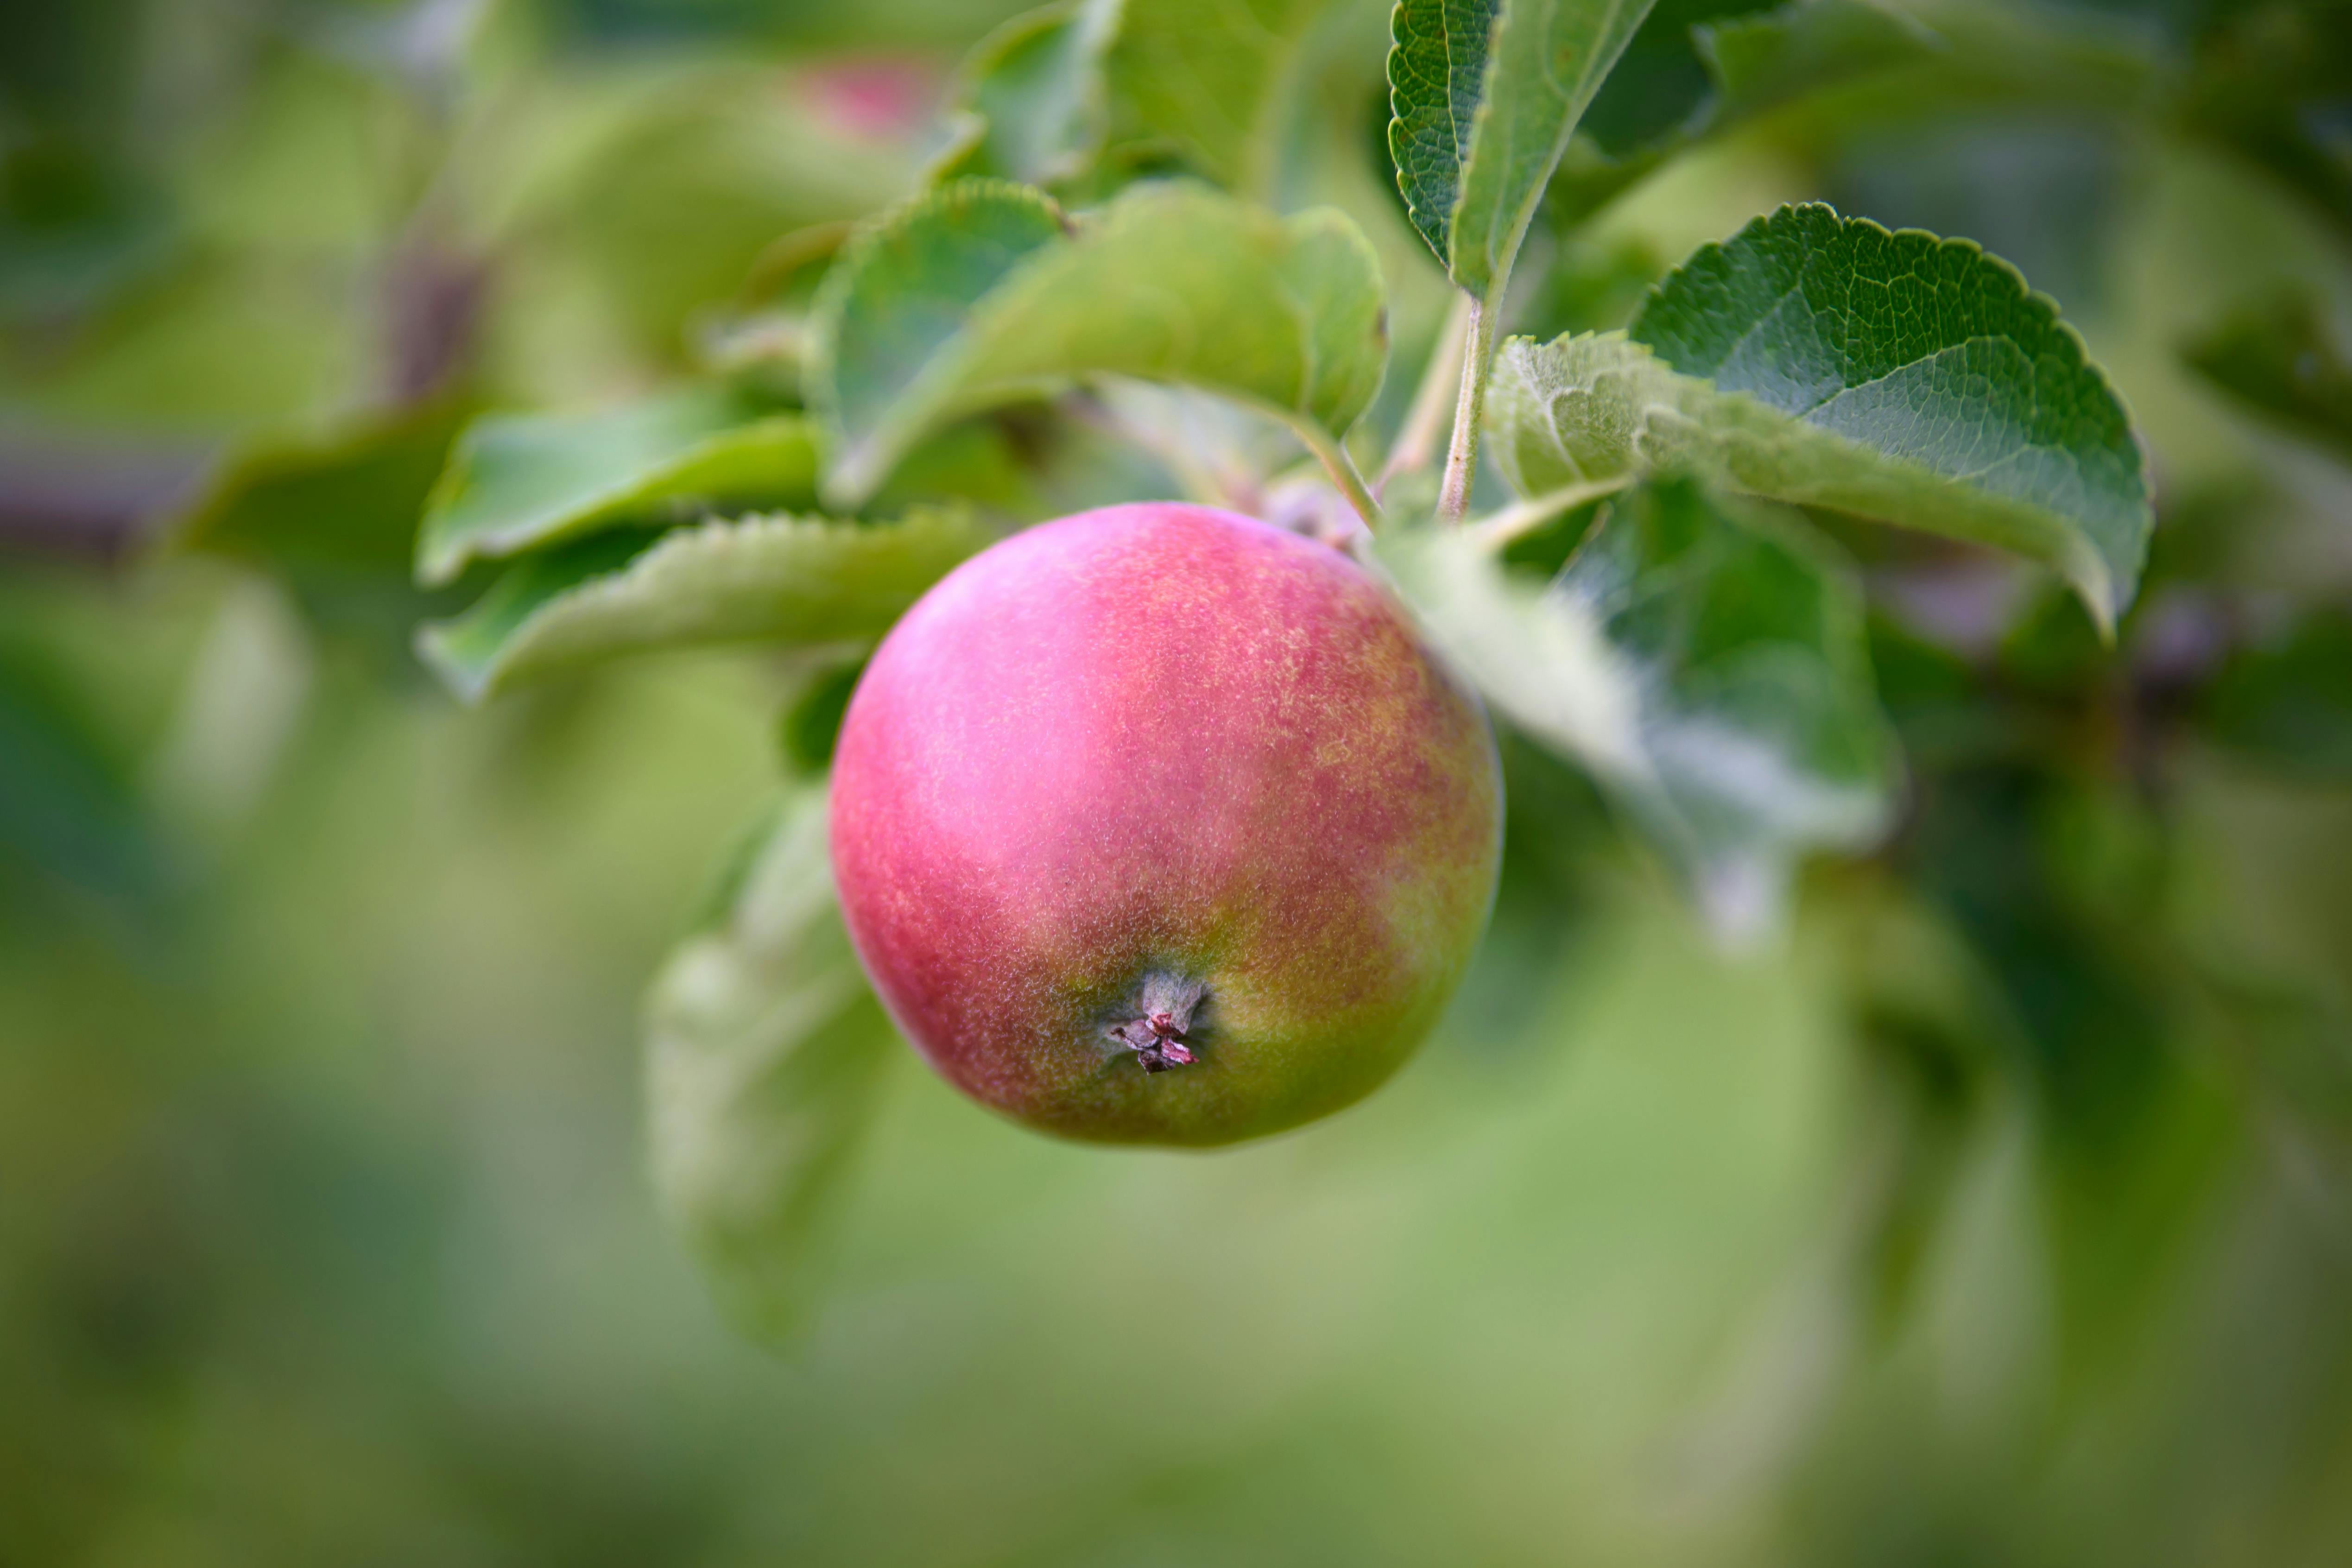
x: 1825, y: 361
x: 1173, y: 283
x: 1709, y: 669
x: 765, y: 1056
x: 518, y: 482
x: 788, y: 582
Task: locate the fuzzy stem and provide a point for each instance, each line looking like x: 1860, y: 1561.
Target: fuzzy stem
x: 1343, y: 471
x: 1461, y: 454
x: 1416, y: 441
x: 1512, y: 523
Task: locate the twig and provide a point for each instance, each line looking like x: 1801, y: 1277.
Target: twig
x: 1461, y: 454
x: 1343, y: 471
x: 1416, y: 441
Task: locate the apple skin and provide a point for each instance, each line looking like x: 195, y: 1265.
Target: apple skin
x: 1164, y: 758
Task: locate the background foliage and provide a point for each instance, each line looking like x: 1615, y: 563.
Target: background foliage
x: 1903, y: 1111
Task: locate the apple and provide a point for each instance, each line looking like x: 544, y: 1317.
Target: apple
x: 1160, y: 824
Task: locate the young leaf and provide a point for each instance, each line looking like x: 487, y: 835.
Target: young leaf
x: 1706, y: 659
x: 519, y: 482
x: 1171, y: 283
x: 765, y: 1056
x: 1483, y: 96
x: 1030, y: 99
x: 1826, y: 361
x: 780, y: 580
x: 2282, y: 360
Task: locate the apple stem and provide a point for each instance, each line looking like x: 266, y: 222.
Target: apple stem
x: 1161, y: 1013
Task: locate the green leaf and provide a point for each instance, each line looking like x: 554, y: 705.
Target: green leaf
x: 785, y: 580
x: 1484, y: 97
x: 2287, y: 700
x: 932, y: 317
x: 519, y: 482
x: 1699, y: 67
x: 2282, y: 358
x: 1705, y: 658
x: 765, y: 1058
x: 345, y: 501
x: 1212, y: 84
x: 899, y: 305
x: 1825, y: 360
x: 1030, y: 103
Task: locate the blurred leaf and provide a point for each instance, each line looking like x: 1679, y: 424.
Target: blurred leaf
x: 1699, y: 67
x: 69, y: 812
x: 1030, y: 103
x: 765, y: 1056
x: 1704, y: 660
x: 1484, y: 97
x: 901, y: 301
x: 2272, y: 82
x: 516, y: 482
x: 790, y: 581
x: 1825, y: 360
x: 935, y: 314
x: 2282, y: 358
x: 811, y: 724
x: 2287, y: 701
x: 1212, y: 83
x: 347, y: 500
x: 2132, y: 1133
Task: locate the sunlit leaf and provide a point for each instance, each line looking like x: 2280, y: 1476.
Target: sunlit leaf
x: 765, y: 1056
x: 1176, y: 283
x: 784, y: 581
x: 516, y: 482
x: 1825, y: 361
x: 2282, y: 360
x: 1704, y: 660
x: 1484, y: 95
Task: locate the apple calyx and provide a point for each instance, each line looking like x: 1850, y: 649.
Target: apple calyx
x: 1161, y: 1012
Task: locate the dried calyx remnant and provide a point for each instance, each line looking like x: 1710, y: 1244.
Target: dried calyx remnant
x: 1162, y: 1012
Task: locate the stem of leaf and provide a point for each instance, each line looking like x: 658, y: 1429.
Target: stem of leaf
x: 1495, y: 532
x: 1462, y: 454
x: 1343, y: 471
x: 1416, y: 441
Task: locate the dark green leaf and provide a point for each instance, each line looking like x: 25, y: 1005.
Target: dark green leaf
x: 2287, y: 700
x: 1484, y: 97
x: 516, y: 482
x: 2282, y: 358
x: 765, y: 1057
x: 789, y: 581
x: 1825, y: 360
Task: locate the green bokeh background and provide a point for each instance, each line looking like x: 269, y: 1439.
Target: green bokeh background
x: 324, y: 1231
